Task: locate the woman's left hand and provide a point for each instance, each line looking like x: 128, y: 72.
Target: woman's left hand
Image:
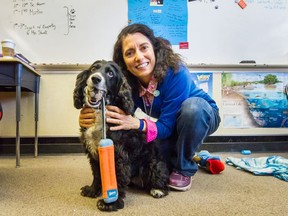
x: 122, y: 121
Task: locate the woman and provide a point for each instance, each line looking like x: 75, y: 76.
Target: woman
x: 163, y: 89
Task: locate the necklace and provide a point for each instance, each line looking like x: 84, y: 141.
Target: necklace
x: 146, y: 108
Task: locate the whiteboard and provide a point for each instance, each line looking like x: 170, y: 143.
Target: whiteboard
x: 79, y: 32
x: 220, y: 32
x: 63, y: 31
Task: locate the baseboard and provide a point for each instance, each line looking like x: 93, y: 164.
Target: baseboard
x: 253, y: 143
x: 66, y: 145
x: 46, y: 145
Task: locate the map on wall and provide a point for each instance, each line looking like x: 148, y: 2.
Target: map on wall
x: 252, y: 99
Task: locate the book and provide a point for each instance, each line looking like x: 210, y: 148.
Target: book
x: 22, y: 58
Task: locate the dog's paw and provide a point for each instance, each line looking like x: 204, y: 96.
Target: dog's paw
x: 114, y: 206
x: 158, y: 193
x: 88, y: 191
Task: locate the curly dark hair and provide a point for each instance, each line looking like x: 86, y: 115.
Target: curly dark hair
x: 164, y: 54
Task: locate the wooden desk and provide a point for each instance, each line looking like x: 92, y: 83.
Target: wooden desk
x: 18, y: 76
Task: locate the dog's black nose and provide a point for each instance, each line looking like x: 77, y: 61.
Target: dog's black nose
x: 96, y: 79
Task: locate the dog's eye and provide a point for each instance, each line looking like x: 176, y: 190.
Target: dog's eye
x: 110, y: 74
x: 98, y: 66
x: 93, y: 69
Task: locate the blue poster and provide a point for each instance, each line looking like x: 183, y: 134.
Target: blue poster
x: 204, y: 81
x: 168, y: 19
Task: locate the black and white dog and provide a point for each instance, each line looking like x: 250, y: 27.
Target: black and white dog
x: 137, y: 163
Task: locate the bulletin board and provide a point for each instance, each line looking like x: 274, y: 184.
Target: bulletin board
x: 79, y: 32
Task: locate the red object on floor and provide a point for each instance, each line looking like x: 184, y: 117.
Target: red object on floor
x: 215, y: 166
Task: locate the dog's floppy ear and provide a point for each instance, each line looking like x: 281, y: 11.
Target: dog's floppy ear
x: 125, y: 93
x: 80, y: 84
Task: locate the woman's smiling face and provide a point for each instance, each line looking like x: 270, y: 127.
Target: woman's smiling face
x: 139, y: 56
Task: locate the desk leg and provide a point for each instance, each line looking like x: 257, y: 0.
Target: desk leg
x: 36, y: 124
x: 36, y: 115
x: 18, y: 100
x: 18, y: 70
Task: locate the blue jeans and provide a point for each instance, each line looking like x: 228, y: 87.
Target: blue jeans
x: 196, y: 119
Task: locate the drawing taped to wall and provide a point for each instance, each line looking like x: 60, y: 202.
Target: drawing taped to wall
x: 255, y: 99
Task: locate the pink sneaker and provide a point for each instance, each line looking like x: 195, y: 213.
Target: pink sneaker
x: 179, y: 182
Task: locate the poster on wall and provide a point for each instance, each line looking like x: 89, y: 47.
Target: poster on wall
x: 252, y: 99
x: 203, y: 80
x: 168, y: 19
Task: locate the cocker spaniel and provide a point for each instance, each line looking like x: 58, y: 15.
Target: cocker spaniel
x: 137, y: 163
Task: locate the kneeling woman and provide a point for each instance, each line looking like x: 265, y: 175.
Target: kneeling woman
x: 163, y: 89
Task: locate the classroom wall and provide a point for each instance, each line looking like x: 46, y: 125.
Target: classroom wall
x: 58, y: 117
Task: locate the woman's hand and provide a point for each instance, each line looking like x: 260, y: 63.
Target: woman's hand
x: 87, y: 117
x: 122, y: 121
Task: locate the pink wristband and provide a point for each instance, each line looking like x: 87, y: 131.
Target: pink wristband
x: 151, y: 130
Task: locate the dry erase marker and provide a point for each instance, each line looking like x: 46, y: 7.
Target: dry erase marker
x: 246, y: 152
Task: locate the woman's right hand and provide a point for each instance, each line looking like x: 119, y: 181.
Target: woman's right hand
x: 87, y: 117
